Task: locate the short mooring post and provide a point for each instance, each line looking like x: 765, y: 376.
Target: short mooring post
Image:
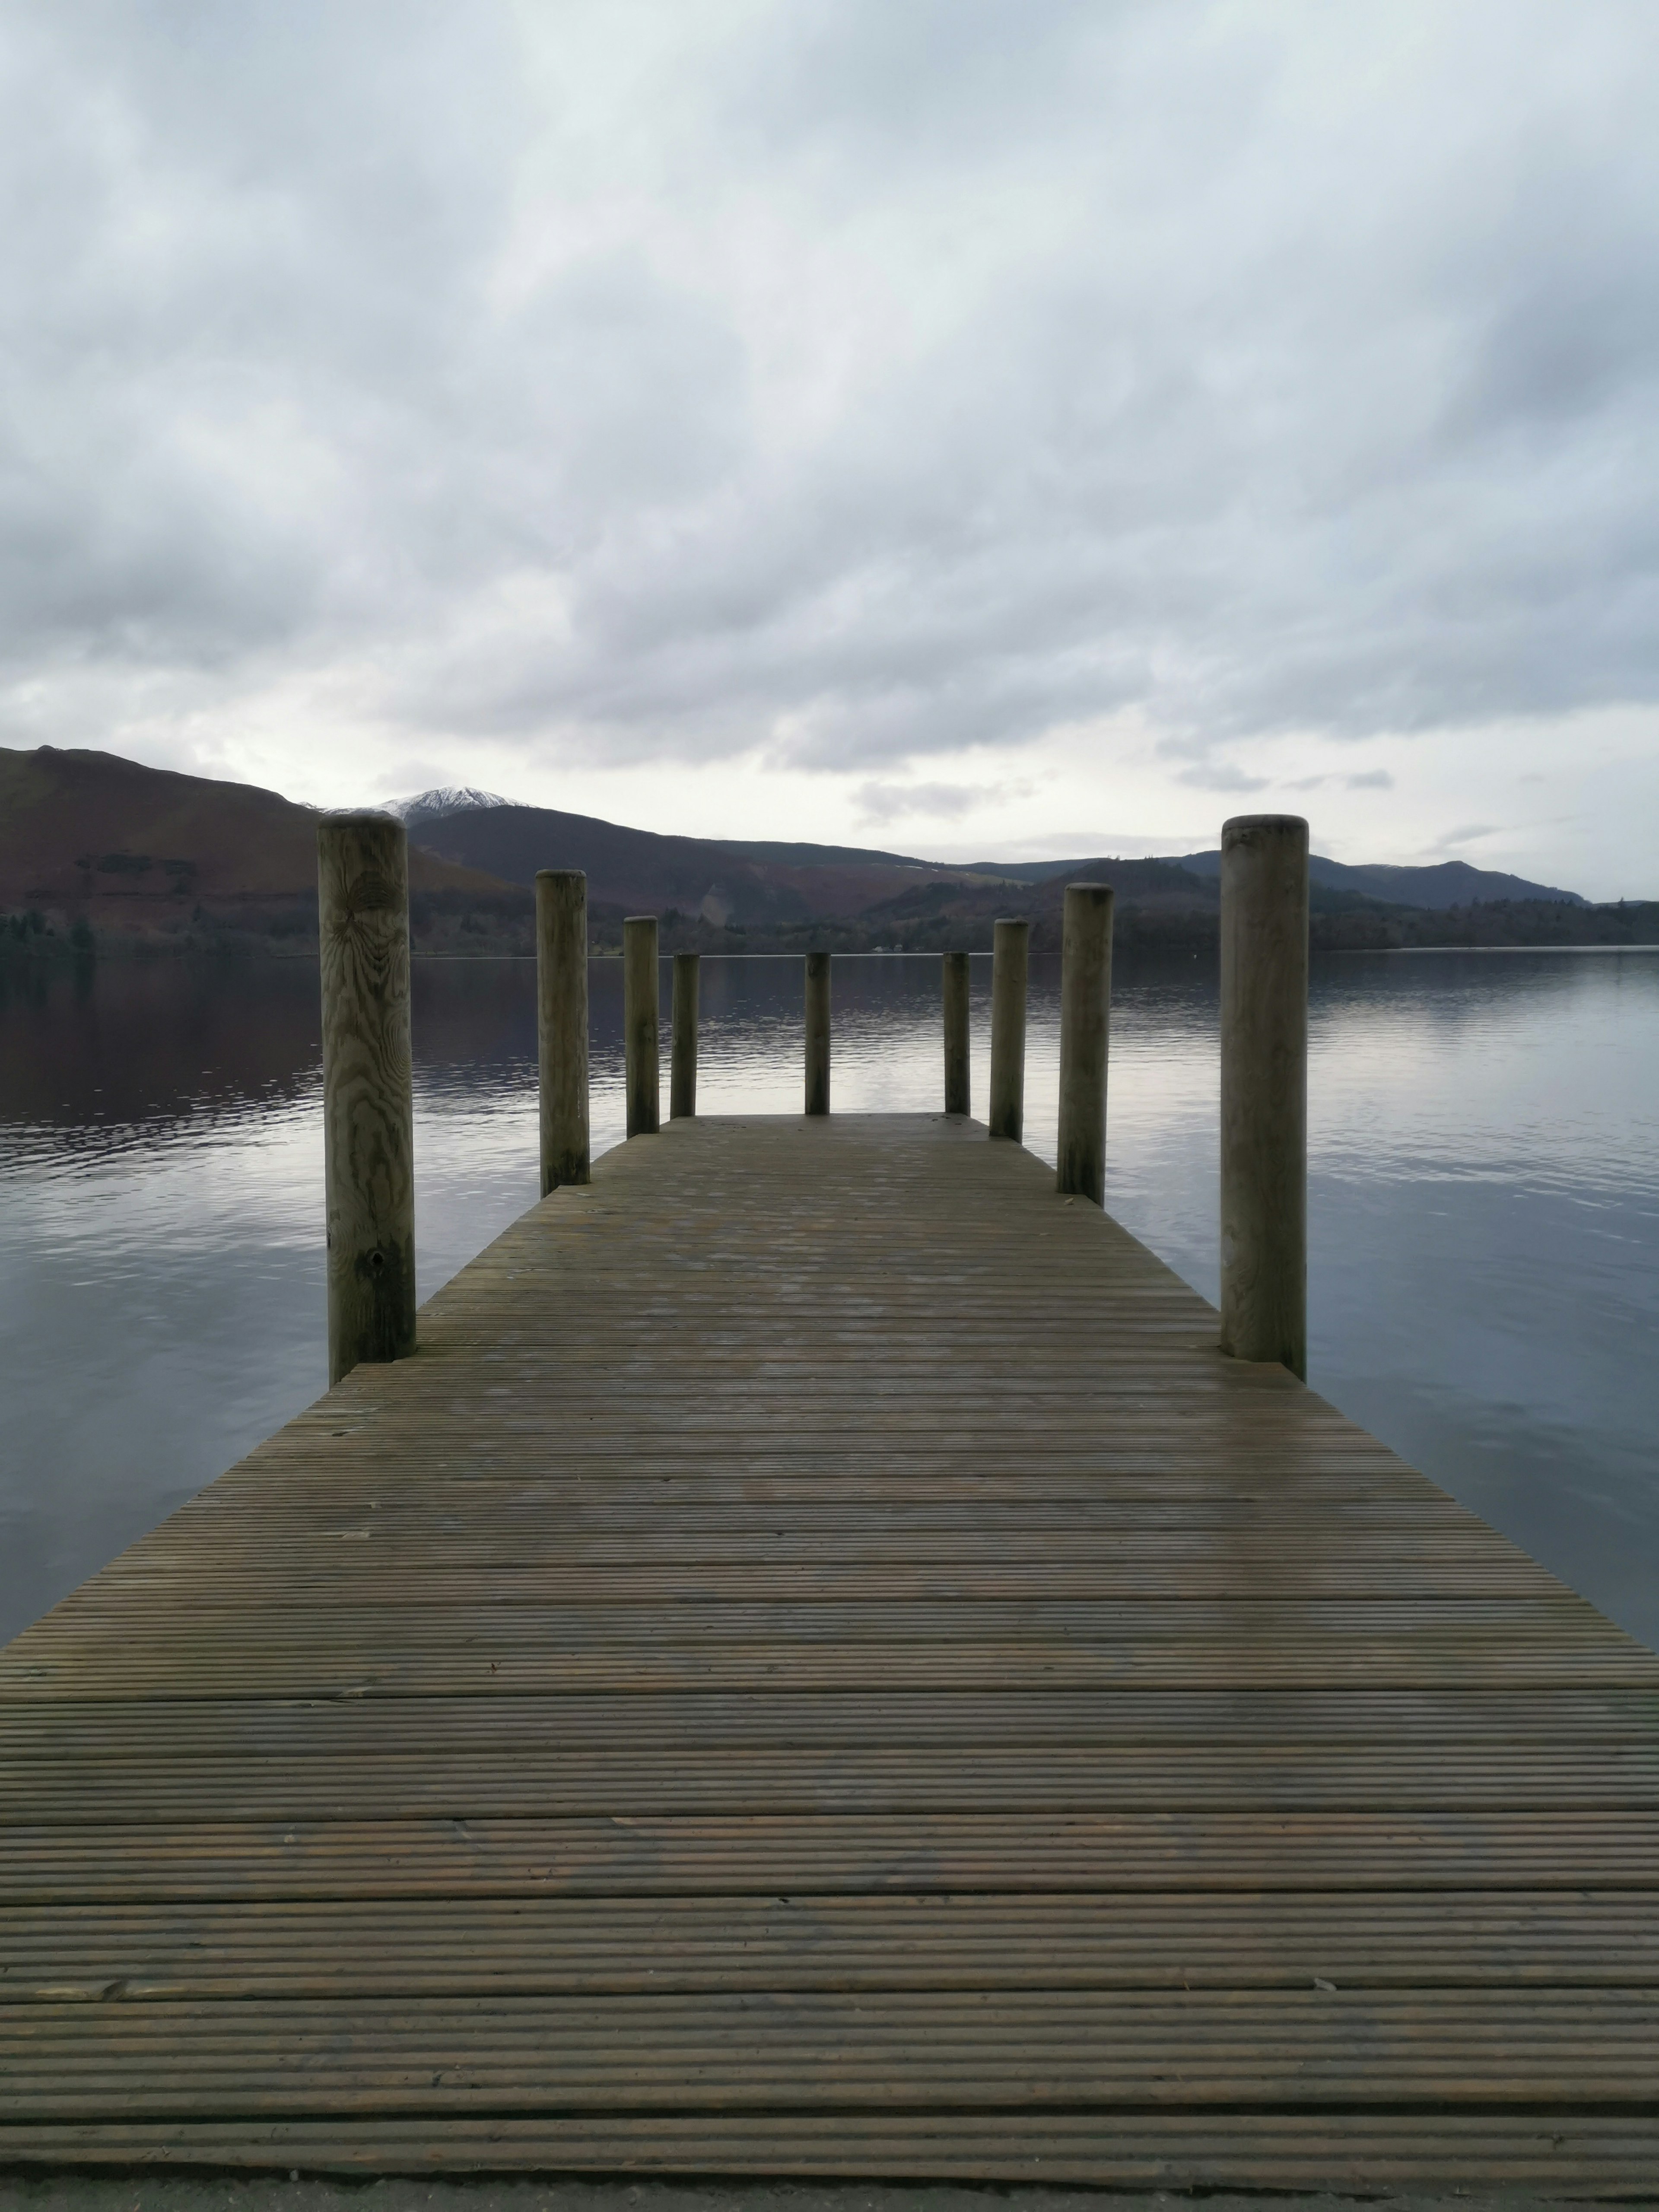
x: 1010, y: 943
x: 682, y: 1061
x: 368, y: 1099
x: 1264, y: 1088
x: 817, y: 1032
x: 640, y: 1019
x: 561, y: 1023
x: 954, y: 991
x: 1086, y: 998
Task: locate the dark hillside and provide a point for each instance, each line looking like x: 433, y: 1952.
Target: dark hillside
x: 640, y: 872
x: 145, y: 855
x: 1491, y: 922
x: 1447, y: 884
x: 1156, y: 900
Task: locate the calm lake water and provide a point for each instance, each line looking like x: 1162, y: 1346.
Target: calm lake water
x: 1483, y: 1205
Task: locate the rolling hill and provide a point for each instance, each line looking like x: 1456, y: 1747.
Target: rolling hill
x: 1435, y: 889
x: 638, y: 871
x: 778, y: 896
x: 146, y: 855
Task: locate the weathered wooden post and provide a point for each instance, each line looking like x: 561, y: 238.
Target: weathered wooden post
x: 1010, y: 943
x: 817, y: 1032
x: 1264, y: 1088
x: 1086, y: 999
x: 640, y: 1020
x: 561, y: 1023
x: 954, y: 992
x: 683, y: 1062
x: 369, y: 1096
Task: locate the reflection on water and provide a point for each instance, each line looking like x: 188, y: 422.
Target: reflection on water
x: 1484, y: 1206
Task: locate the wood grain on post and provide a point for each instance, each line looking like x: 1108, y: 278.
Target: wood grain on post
x: 561, y: 1023
x: 368, y: 1098
x: 1085, y: 999
x: 954, y: 993
x: 640, y: 1015
x: 683, y: 1061
x: 1011, y: 945
x: 1264, y: 1088
x: 817, y: 1032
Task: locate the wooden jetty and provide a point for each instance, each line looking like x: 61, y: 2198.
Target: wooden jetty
x: 820, y: 1665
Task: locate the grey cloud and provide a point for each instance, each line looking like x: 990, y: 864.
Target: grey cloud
x: 890, y: 802
x: 857, y: 384
x: 1376, y: 779
x: 1103, y: 844
x: 1221, y: 775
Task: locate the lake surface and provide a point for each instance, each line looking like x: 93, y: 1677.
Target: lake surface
x: 1484, y: 1206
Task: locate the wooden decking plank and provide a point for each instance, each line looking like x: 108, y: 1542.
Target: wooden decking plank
x: 399, y: 1790
x: 981, y: 1853
x: 820, y: 1666
x: 1347, y: 2050
x: 494, y: 1670
x: 210, y: 1728
x: 1546, y: 2149
x: 679, y: 1945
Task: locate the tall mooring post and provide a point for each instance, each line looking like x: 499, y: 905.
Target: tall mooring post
x: 1264, y: 1088
x: 954, y: 993
x: 640, y: 1016
x: 369, y: 1097
x: 561, y: 1023
x: 1085, y: 999
x: 817, y: 1032
x: 682, y: 1059
x: 1011, y: 945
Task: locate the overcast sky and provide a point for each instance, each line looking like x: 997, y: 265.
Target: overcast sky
x: 973, y: 426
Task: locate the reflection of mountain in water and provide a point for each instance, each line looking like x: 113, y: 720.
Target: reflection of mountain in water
x: 149, y: 1043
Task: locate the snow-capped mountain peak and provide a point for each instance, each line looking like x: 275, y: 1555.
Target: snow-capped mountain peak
x: 430, y: 804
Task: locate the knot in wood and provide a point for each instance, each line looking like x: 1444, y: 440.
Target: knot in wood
x: 371, y: 893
